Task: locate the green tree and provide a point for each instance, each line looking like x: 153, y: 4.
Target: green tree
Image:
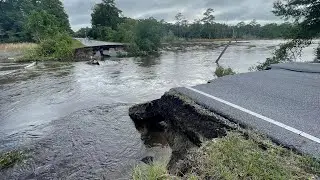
x: 179, y: 18
x: 11, y: 21
x: 83, y: 32
x: 195, y: 29
x: 305, y: 14
x: 14, y: 14
x: 106, y: 14
x: 208, y: 21
x: 126, y: 31
x: 42, y: 25
x: 55, y: 8
x: 208, y: 16
x: 148, y: 35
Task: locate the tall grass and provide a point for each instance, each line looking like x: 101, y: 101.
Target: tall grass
x: 20, y: 47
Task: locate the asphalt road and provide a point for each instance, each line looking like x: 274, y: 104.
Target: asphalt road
x: 88, y: 42
x: 283, y: 103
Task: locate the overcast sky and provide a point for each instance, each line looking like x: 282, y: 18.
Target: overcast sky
x: 229, y: 11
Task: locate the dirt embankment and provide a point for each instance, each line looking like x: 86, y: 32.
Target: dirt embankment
x: 186, y: 124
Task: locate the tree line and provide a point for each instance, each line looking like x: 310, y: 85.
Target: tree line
x: 146, y: 35
x: 205, y: 28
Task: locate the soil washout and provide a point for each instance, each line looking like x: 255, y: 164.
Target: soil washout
x: 186, y: 125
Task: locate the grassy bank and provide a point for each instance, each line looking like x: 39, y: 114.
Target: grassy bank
x: 76, y: 44
x: 238, y: 156
x: 46, y: 50
x: 16, y: 47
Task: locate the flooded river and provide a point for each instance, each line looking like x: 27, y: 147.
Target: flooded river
x: 73, y: 117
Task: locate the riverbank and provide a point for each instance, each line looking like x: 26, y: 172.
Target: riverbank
x: 27, y: 52
x: 11, y: 52
x: 206, y: 145
x: 236, y: 156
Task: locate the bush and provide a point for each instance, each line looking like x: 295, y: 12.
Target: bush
x: 221, y: 71
x: 58, y: 47
x: 287, y: 52
x: 148, y: 35
x: 265, y: 65
x: 126, y: 31
x: 143, y: 36
x: 134, y: 50
x: 9, y: 159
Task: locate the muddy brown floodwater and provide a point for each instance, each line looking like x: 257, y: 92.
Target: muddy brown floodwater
x: 72, y: 118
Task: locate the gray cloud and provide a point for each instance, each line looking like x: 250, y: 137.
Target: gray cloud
x: 228, y: 11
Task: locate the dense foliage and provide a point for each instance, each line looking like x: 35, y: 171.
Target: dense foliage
x: 41, y: 24
x: 15, y: 14
x: 57, y: 47
x: 148, y: 35
x: 304, y: 12
x: 42, y: 21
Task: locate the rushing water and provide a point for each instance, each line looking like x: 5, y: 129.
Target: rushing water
x: 73, y: 117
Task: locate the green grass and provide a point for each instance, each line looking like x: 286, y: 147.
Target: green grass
x: 239, y: 157
x: 157, y: 171
x: 9, y: 159
x: 76, y: 44
x: 235, y: 157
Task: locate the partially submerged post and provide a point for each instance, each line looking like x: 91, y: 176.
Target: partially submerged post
x: 224, y: 50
